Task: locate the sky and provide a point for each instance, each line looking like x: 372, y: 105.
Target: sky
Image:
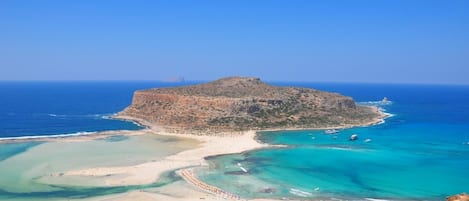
x: 362, y: 41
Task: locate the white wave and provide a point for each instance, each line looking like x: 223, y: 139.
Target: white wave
x: 49, y: 136
x: 373, y: 199
x: 107, y: 116
x: 300, y: 193
x: 379, y: 105
x: 58, y: 115
x: 111, y: 117
x: 76, y: 115
x: 376, y: 103
x: 389, y: 114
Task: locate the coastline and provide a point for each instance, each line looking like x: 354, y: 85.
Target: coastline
x: 149, y: 172
x: 210, y: 146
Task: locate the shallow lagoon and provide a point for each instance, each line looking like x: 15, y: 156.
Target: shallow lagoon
x: 23, y: 165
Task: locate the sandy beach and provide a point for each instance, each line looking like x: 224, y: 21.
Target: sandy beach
x: 150, y: 172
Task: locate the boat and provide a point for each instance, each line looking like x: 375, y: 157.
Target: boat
x: 242, y: 168
x: 353, y: 137
x: 331, y: 131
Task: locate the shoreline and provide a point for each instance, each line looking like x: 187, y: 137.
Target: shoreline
x: 376, y: 121
x: 148, y: 127
x: 149, y: 172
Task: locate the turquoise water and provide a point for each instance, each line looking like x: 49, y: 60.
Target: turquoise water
x: 26, y: 168
x: 421, y: 153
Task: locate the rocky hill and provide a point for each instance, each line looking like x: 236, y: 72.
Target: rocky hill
x: 239, y: 103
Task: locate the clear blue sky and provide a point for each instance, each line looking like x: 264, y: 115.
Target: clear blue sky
x: 416, y: 41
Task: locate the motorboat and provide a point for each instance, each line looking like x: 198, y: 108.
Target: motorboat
x: 331, y: 131
x: 353, y: 137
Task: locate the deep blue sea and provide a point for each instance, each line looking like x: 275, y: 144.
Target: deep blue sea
x: 420, y: 153
x: 56, y: 108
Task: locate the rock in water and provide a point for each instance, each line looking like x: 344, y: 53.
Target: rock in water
x: 245, y: 103
x: 459, y: 197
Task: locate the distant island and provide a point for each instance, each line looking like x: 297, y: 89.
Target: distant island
x: 245, y: 103
x: 174, y: 79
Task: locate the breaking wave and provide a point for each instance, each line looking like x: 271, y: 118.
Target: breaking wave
x: 82, y: 133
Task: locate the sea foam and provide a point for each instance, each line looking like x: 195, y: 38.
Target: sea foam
x: 49, y: 136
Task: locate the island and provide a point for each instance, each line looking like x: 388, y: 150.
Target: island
x: 245, y: 103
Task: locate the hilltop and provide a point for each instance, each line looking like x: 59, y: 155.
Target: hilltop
x: 245, y: 103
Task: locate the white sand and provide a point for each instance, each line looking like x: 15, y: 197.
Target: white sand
x: 149, y: 172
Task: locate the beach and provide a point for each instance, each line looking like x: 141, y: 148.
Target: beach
x: 149, y: 172
x: 146, y: 173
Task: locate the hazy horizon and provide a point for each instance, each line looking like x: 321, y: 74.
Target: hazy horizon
x: 410, y: 42
x: 188, y: 81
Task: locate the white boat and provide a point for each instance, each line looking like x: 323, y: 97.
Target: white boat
x: 331, y: 131
x: 242, y: 168
x: 353, y: 137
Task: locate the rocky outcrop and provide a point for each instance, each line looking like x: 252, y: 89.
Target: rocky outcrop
x: 458, y: 197
x: 238, y: 103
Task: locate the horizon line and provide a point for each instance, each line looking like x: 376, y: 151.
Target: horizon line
x: 267, y: 81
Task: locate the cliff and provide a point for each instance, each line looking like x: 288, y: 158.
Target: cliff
x: 238, y: 103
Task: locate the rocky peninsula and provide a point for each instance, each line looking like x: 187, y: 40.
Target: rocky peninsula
x: 245, y: 103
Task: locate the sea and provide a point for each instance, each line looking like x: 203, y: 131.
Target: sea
x: 420, y: 152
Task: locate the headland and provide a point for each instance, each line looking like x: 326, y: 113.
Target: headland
x: 235, y: 104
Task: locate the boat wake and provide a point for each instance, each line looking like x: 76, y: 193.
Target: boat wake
x: 94, y: 116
